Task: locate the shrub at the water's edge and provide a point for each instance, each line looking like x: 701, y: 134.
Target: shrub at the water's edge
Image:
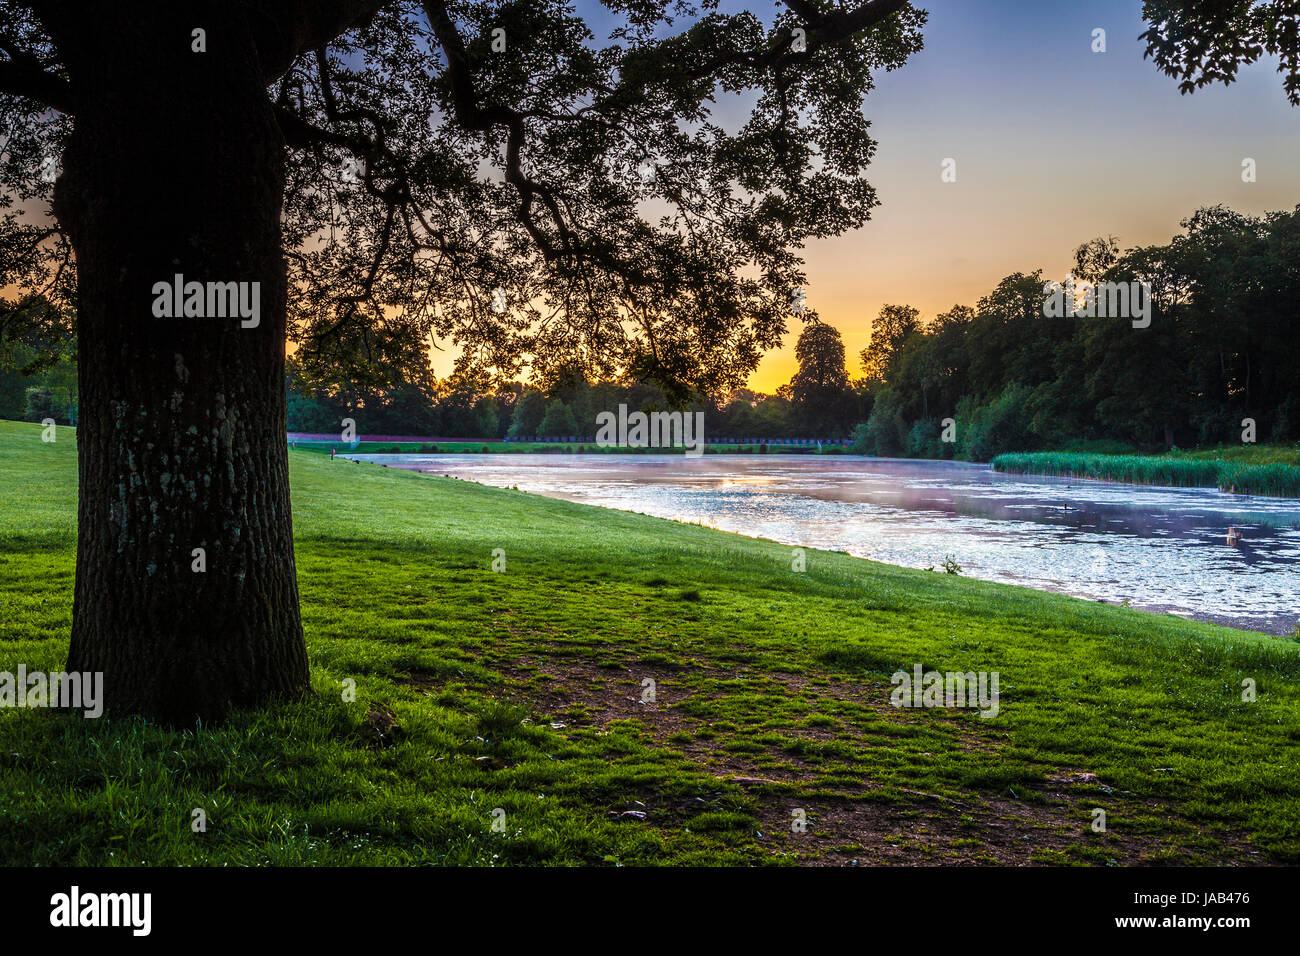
x: 1279, y: 480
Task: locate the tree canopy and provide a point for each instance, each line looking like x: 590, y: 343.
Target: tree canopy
x: 1200, y: 42
x: 500, y: 177
x: 1215, y: 353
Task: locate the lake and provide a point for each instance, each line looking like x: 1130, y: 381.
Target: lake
x: 1162, y: 549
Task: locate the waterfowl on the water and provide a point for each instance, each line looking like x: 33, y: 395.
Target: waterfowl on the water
x: 1233, y: 536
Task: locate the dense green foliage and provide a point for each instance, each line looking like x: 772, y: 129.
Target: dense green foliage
x: 35, y: 387
x: 1218, y: 352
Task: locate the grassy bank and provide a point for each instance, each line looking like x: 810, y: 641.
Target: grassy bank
x: 523, y: 691
x: 1250, y: 474
x: 1245, y: 454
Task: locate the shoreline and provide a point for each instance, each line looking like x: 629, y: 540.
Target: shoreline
x: 1278, y: 629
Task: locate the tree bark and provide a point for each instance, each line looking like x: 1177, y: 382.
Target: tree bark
x: 176, y: 166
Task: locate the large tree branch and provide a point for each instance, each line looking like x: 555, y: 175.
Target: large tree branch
x: 473, y: 116
x: 23, y: 76
x: 842, y: 23
x: 283, y: 30
x: 823, y: 29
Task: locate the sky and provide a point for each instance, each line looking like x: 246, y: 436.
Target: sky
x: 1054, y: 145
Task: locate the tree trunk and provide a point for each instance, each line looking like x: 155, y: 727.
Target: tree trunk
x: 176, y: 166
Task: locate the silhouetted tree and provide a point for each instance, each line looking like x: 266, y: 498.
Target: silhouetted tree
x: 529, y: 412
x: 385, y: 170
x: 1207, y: 41
x: 559, y: 420
x: 890, y: 329
x: 820, y: 386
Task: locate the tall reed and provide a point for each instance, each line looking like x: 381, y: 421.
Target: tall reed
x: 1279, y: 480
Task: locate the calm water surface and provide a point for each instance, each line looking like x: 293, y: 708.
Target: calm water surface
x: 1162, y: 549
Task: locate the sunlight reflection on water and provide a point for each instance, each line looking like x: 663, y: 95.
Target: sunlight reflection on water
x: 1163, y: 549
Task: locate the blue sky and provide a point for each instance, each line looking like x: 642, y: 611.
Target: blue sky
x: 1054, y: 144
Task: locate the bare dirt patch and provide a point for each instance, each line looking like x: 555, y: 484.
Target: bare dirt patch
x: 849, y: 822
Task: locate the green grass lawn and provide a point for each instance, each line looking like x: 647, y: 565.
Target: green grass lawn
x: 516, y: 697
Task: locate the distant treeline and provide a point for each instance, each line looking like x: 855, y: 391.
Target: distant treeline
x: 1220, y: 350
x: 34, y: 388
x: 516, y: 411
x: 975, y: 381
x: 1214, y: 361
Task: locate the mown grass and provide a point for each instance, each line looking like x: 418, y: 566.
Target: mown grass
x: 519, y: 691
x: 1251, y: 474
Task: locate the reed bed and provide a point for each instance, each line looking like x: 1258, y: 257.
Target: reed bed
x: 1274, y: 479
